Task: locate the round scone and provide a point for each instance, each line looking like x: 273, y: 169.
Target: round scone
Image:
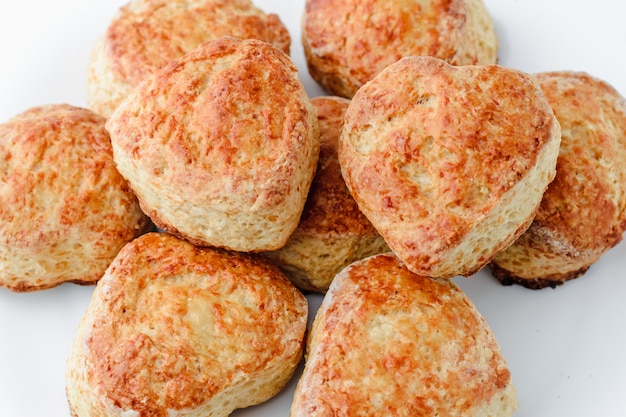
x: 221, y: 145
x: 387, y: 342
x: 332, y: 232
x: 347, y: 43
x: 449, y: 163
x: 146, y: 34
x: 583, y: 211
x: 65, y: 210
x: 177, y: 330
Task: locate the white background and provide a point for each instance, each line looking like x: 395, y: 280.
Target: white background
x: 565, y: 347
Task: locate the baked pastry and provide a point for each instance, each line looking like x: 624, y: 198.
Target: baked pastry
x: 583, y: 212
x: 346, y: 43
x: 65, y: 211
x: 146, y: 34
x: 449, y: 163
x: 332, y: 232
x: 387, y: 342
x: 177, y: 330
x: 221, y: 145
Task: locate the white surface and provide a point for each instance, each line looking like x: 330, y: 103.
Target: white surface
x: 565, y: 347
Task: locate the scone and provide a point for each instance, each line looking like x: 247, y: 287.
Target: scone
x: 221, y: 145
x: 449, y: 163
x: 176, y: 330
x: 332, y: 232
x: 348, y: 42
x: 146, y: 34
x: 583, y: 212
x: 65, y: 211
x: 387, y: 342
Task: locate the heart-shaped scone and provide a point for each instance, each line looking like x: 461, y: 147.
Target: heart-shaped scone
x: 145, y: 35
x: 449, y: 163
x: 387, y: 342
x: 346, y: 43
x: 177, y: 330
x: 65, y: 210
x: 583, y: 211
x: 221, y: 145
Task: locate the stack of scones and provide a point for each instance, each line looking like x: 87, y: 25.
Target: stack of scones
x: 204, y: 193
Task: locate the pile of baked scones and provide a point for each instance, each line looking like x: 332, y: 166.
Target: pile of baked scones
x: 205, y: 193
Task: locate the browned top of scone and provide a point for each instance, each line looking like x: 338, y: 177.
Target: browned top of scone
x: 40, y: 149
x: 61, y: 194
x: 585, y: 205
x: 348, y: 42
x: 389, y: 342
x: 330, y: 209
x: 231, y: 118
x: 429, y: 149
x: 146, y: 34
x: 172, y: 325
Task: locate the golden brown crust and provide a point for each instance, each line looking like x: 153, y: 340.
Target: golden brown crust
x: 448, y: 163
x: 332, y: 232
x: 583, y: 212
x: 175, y: 330
x: 65, y: 211
x: 387, y: 342
x: 221, y: 145
x: 146, y: 34
x: 330, y: 207
x: 347, y: 43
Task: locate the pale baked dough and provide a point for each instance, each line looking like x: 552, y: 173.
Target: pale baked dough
x: 175, y: 330
x: 449, y: 163
x: 387, y: 342
x: 332, y: 232
x: 221, y: 145
x: 583, y: 212
x: 146, y: 34
x: 346, y: 43
x: 65, y: 211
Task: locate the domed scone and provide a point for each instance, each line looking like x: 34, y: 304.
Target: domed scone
x: 387, y: 342
x: 146, y: 34
x: 221, y: 145
x: 448, y: 163
x: 583, y: 212
x: 65, y: 210
x: 332, y: 232
x: 347, y: 43
x: 177, y: 330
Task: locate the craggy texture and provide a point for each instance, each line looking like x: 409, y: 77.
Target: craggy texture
x: 146, y: 34
x: 347, y: 43
x: 221, y: 145
x: 583, y: 212
x: 332, y: 232
x: 448, y: 163
x: 387, y: 342
x: 174, y: 330
x: 65, y: 211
